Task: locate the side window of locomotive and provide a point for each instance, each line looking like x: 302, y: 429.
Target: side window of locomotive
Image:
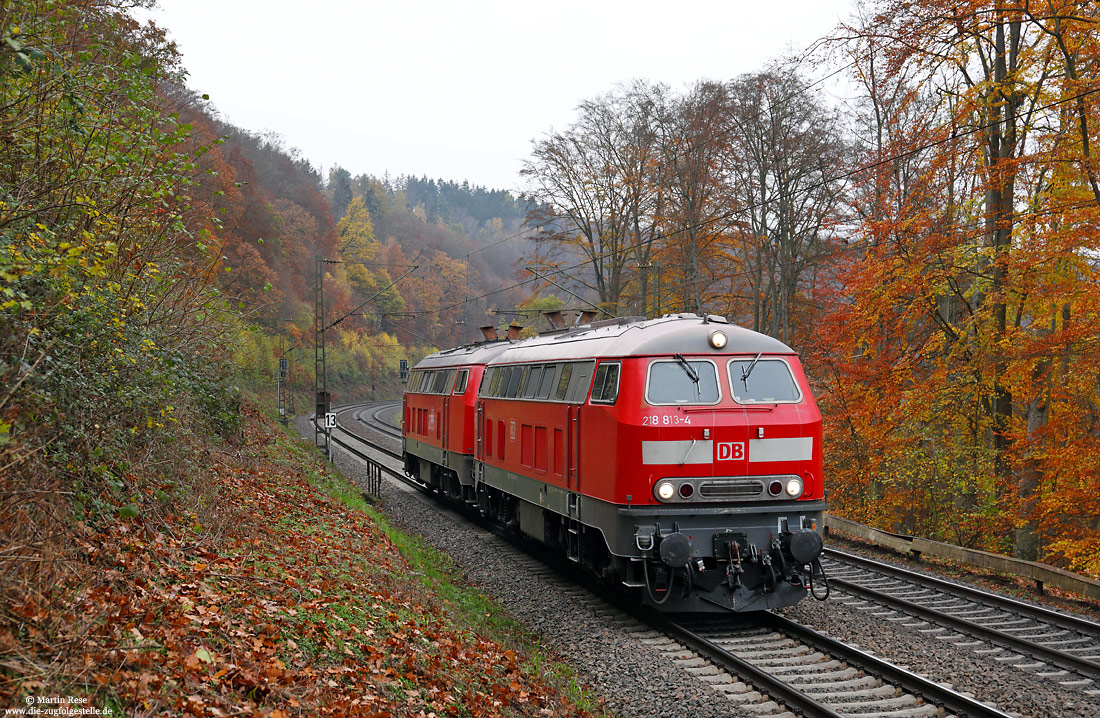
x: 578, y: 383
x: 516, y: 381
x: 549, y: 374
x: 605, y: 388
x: 531, y: 385
x: 763, y: 381
x: 492, y: 376
x: 505, y: 377
x: 442, y: 382
x: 563, y: 381
x: 460, y: 385
x: 687, y: 382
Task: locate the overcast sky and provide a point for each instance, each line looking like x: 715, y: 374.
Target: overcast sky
x: 458, y: 90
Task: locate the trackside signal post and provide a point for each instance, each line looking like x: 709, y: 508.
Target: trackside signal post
x: 280, y: 394
x: 320, y: 384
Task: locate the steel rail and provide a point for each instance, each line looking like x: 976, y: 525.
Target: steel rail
x: 779, y: 690
x: 377, y: 424
x: 1062, y: 660
x: 1073, y: 623
x: 917, y: 685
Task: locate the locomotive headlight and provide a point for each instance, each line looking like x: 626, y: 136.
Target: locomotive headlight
x: 717, y: 339
x: 794, y: 488
x: 665, y: 490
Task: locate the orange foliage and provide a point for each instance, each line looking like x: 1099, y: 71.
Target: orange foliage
x: 962, y: 395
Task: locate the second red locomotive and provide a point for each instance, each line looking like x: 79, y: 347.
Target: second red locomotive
x: 680, y: 457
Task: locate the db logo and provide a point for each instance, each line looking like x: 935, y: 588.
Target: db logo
x: 731, y: 450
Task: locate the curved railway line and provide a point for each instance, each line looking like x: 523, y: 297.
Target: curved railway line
x: 777, y: 665
x: 1057, y: 646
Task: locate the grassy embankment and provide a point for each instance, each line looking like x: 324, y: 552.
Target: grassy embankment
x: 282, y: 593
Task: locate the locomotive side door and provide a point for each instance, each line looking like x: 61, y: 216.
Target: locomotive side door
x: 572, y: 447
x: 445, y: 417
x: 405, y: 423
x: 479, y: 437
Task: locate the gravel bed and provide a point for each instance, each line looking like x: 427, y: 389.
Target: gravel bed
x: 1012, y: 690
x: 635, y: 680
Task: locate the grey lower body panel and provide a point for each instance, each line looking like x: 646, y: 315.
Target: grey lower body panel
x: 461, y: 464
x: 619, y: 524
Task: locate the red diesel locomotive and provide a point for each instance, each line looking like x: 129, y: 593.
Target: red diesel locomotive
x: 679, y: 457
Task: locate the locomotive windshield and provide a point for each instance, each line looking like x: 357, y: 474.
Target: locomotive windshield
x: 763, y: 381
x: 683, y: 381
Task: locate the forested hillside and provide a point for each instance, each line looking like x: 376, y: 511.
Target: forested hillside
x: 163, y: 549
x: 154, y: 256
x: 931, y: 247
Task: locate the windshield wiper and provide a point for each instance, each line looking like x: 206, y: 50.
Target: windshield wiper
x: 748, y: 370
x: 688, y: 368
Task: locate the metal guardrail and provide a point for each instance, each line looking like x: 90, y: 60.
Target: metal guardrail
x: 373, y: 478
x: 1041, y: 573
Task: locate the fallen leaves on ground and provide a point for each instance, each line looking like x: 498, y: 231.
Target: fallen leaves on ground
x: 302, y: 607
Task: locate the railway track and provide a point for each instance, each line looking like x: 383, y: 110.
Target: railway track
x: 814, y: 674
x: 1053, y: 645
x: 769, y: 665
x: 371, y: 417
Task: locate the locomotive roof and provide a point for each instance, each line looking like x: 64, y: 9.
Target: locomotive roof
x: 672, y: 334
x: 479, y: 353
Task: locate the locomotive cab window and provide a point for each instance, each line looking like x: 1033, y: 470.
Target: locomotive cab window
x: 460, y: 385
x: 605, y: 388
x: 763, y: 381
x: 682, y: 381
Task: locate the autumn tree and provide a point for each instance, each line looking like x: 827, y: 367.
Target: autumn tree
x: 339, y: 191
x: 694, y: 140
x: 971, y: 302
x: 578, y: 206
x: 785, y: 156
